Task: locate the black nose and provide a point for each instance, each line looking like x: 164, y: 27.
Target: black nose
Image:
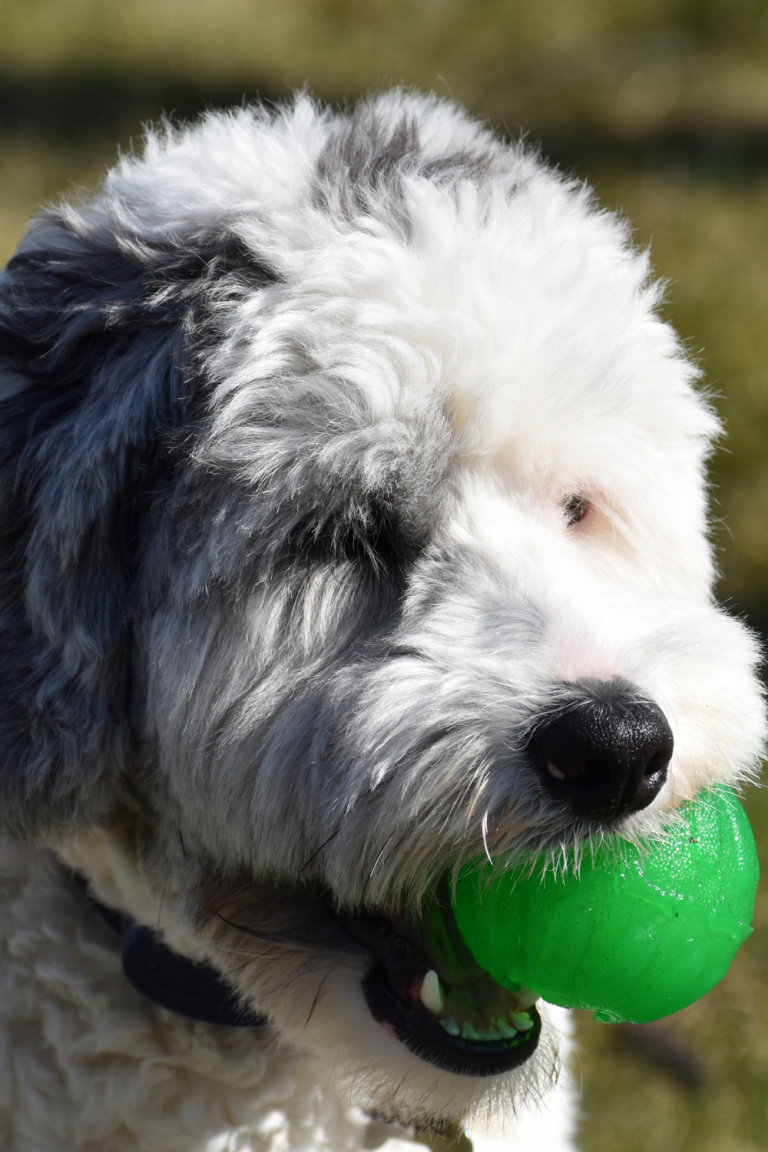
x: 604, y: 757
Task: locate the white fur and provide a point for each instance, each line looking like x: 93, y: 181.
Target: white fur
x: 89, y: 1063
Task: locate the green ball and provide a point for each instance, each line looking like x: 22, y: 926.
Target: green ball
x: 637, y: 933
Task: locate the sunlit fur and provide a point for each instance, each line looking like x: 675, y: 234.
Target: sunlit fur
x: 336, y: 449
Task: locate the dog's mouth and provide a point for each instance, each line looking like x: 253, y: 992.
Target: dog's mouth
x: 426, y: 988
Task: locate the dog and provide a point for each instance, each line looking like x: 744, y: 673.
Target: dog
x: 354, y: 526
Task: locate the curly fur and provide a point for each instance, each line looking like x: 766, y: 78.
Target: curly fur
x: 292, y: 411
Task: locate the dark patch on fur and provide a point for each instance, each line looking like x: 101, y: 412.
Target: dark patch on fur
x: 380, y: 535
x: 366, y: 156
x: 99, y: 323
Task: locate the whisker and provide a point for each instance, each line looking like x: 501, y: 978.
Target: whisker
x: 267, y: 937
x: 325, y: 843
x: 314, y: 1002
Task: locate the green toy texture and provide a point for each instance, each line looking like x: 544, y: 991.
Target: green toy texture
x: 636, y: 933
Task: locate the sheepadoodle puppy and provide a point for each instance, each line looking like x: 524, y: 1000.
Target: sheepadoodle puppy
x: 354, y: 525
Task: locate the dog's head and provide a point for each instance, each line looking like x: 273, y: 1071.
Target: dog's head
x: 353, y: 524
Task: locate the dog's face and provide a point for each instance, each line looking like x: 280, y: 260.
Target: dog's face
x: 355, y: 525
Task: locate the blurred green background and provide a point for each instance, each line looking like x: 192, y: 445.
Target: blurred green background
x: 662, y: 105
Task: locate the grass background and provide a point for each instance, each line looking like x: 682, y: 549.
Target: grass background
x: 662, y: 105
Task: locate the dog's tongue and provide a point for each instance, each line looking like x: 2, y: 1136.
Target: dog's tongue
x: 633, y: 934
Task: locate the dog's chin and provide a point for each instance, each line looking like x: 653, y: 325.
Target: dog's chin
x: 358, y: 1005
x: 391, y: 1055
x: 415, y: 975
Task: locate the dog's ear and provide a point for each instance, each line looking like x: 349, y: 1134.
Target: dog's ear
x: 100, y: 390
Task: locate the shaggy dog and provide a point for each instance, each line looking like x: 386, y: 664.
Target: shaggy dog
x: 353, y: 525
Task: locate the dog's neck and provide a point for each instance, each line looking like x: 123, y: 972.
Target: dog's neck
x: 187, y: 988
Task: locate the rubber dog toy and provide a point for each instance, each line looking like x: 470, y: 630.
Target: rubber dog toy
x: 635, y: 933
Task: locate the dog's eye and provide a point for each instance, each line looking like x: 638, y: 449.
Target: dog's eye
x: 575, y: 508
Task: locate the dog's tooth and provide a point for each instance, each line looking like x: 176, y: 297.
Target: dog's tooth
x: 506, y: 1031
x: 468, y: 1032
x: 431, y: 993
x: 521, y: 1020
x: 493, y: 1033
x: 450, y: 1026
x: 526, y: 998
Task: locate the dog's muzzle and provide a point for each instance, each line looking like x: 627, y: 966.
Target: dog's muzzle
x: 602, y: 753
